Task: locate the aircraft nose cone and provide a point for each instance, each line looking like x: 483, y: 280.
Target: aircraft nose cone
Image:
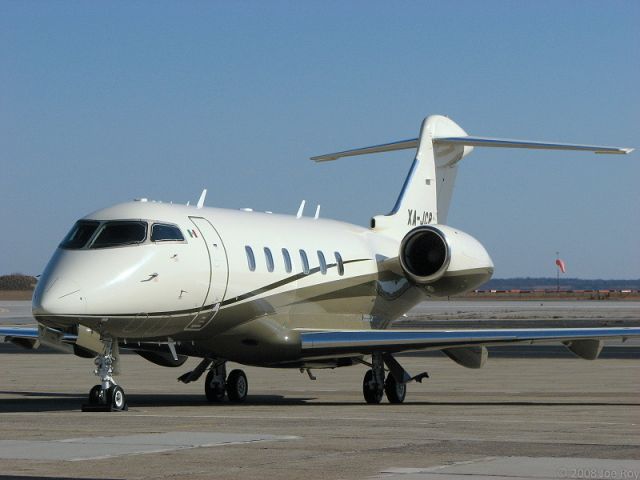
x: 58, y: 297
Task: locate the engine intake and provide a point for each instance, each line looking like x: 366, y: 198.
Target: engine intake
x: 425, y: 254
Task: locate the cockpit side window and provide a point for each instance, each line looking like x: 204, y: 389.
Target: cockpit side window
x: 120, y: 233
x: 162, y: 232
x: 79, y: 235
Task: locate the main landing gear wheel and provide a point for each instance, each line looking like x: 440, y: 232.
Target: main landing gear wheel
x: 394, y: 391
x: 237, y: 386
x: 214, y: 391
x: 371, y: 389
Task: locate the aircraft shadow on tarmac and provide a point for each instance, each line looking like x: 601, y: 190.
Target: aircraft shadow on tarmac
x: 23, y: 477
x: 24, y: 401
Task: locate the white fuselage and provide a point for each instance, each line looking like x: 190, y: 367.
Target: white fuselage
x: 207, y: 290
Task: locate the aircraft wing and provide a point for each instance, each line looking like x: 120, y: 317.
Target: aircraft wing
x: 23, y: 336
x: 32, y: 337
x: 585, y: 342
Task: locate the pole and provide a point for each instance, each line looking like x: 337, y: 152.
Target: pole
x: 557, y: 273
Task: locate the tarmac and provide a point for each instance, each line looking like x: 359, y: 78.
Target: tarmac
x: 517, y: 418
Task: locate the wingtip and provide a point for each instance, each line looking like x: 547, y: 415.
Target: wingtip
x: 618, y: 151
x: 324, y: 158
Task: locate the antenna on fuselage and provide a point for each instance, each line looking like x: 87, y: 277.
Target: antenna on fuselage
x: 301, y: 209
x: 317, y: 215
x: 203, y: 195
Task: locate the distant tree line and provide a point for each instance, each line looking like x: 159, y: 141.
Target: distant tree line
x: 17, y: 281
x: 527, y: 283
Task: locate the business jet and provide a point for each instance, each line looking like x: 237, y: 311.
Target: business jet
x: 176, y: 281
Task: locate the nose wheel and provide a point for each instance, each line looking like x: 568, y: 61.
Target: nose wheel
x: 109, y: 400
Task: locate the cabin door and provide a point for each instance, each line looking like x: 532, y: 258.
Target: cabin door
x: 218, y: 272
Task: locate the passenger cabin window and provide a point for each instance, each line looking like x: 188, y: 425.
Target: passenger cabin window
x: 251, y: 259
x: 287, y: 260
x: 305, y: 262
x: 323, y: 262
x: 340, y: 263
x: 269, y: 258
x: 79, y: 235
x: 161, y: 232
x: 120, y: 233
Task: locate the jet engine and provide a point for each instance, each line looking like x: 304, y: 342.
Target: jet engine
x: 429, y: 252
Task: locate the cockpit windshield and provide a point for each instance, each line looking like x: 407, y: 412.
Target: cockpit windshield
x: 116, y: 234
x: 95, y: 234
x: 80, y: 234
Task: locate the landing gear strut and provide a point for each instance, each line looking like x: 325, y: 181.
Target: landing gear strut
x: 107, y: 396
x: 235, y: 386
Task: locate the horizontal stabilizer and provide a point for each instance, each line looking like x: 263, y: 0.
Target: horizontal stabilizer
x: 510, y: 143
x: 473, y: 142
x: 386, y: 147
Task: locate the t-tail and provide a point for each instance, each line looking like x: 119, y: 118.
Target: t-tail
x: 426, y: 194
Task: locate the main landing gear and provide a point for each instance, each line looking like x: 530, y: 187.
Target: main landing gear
x: 394, y: 386
x: 235, y: 386
x: 217, y: 384
x: 106, y: 396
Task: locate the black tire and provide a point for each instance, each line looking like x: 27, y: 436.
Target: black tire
x: 214, y: 394
x: 237, y: 386
x: 117, y: 398
x: 372, y: 393
x: 96, y: 395
x: 395, y: 392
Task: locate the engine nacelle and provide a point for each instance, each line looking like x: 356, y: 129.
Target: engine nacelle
x: 429, y: 252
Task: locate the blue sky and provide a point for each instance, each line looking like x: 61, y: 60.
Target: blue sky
x: 104, y: 102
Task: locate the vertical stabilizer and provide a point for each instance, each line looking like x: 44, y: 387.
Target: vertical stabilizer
x: 427, y: 190
x: 426, y: 194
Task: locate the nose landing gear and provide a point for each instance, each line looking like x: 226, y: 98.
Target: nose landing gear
x: 107, y: 396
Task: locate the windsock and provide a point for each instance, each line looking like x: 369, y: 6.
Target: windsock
x: 561, y: 265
